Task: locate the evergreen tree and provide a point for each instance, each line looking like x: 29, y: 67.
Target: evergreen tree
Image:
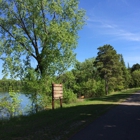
x: 109, y: 67
x: 125, y: 73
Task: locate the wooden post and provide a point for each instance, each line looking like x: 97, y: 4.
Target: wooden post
x: 52, y: 97
x: 60, y: 102
x: 52, y: 103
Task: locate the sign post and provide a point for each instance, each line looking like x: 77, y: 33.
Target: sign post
x: 57, y: 93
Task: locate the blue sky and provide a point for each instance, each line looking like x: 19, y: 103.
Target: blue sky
x: 114, y: 22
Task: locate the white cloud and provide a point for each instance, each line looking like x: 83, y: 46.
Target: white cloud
x: 108, y: 28
x: 123, y: 34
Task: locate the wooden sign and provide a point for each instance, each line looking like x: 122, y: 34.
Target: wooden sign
x: 57, y: 93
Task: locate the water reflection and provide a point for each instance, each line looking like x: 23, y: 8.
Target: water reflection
x: 24, y: 104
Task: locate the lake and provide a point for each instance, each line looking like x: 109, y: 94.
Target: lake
x: 25, y: 103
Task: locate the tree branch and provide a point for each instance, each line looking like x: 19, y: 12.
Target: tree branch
x: 27, y: 33
x: 21, y: 43
x: 35, y: 37
x: 43, y: 15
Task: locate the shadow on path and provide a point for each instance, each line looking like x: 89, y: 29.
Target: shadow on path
x: 122, y: 122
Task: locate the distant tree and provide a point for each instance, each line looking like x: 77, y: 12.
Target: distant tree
x: 84, y: 76
x: 68, y: 79
x: 87, y: 81
x: 85, y: 69
x: 41, y: 30
x: 136, y: 78
x: 125, y: 73
x: 122, y: 60
x: 109, y: 67
x: 135, y: 67
x: 128, y: 66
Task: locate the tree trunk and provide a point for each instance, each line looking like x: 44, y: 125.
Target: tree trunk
x: 106, y: 86
x: 39, y: 67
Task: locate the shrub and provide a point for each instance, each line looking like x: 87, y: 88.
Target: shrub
x: 69, y: 96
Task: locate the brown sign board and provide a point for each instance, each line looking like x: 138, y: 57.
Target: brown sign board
x: 57, y: 91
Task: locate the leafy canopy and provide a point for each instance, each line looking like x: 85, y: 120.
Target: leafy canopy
x: 45, y: 31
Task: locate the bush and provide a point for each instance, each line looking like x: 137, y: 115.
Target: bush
x: 99, y: 88
x: 69, y: 96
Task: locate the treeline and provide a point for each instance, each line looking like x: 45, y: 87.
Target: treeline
x: 93, y: 77
x: 7, y: 84
x: 101, y: 75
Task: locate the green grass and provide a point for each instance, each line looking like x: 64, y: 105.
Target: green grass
x: 59, y: 124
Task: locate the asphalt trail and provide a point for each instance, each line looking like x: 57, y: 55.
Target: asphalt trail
x: 122, y: 122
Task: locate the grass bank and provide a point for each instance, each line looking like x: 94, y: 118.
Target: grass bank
x: 59, y: 124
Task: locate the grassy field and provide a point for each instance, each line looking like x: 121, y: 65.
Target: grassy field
x: 60, y: 124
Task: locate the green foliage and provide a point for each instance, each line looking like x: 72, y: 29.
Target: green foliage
x: 37, y: 90
x: 6, y: 84
x: 126, y: 75
x: 136, y: 78
x: 99, y: 88
x: 134, y: 73
x: 68, y: 80
x: 10, y: 106
x: 84, y: 76
x: 69, y: 96
x: 109, y: 67
x: 135, y: 67
x: 15, y: 103
x: 42, y: 31
x: 83, y: 80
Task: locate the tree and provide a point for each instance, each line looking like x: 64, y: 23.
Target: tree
x: 135, y: 67
x: 42, y: 30
x: 87, y: 82
x: 84, y: 73
x: 125, y: 73
x: 109, y: 67
x: 136, y: 78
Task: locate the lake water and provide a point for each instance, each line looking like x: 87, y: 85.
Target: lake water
x: 24, y: 105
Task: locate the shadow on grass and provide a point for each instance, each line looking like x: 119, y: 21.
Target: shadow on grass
x: 55, y: 124
x: 50, y: 124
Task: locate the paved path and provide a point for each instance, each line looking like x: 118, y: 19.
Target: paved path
x: 122, y: 122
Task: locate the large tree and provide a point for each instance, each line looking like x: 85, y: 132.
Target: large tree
x: 41, y: 31
x: 109, y: 67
